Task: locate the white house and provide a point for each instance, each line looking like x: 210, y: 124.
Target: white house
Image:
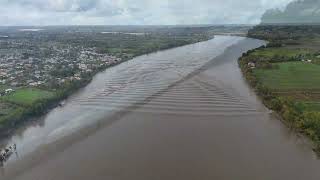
x: 252, y: 65
x: 7, y: 91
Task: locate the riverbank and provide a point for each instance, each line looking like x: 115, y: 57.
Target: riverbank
x: 285, y: 74
x: 25, y: 112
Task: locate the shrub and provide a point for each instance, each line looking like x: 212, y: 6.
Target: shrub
x: 276, y: 104
x: 274, y: 44
x: 311, y: 123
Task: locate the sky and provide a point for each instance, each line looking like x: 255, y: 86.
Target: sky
x: 307, y: 11
x: 134, y: 12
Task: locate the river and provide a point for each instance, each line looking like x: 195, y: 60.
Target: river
x: 184, y: 113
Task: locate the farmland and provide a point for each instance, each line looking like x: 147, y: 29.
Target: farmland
x: 286, y: 75
x: 290, y: 76
x: 280, y: 52
x: 311, y: 106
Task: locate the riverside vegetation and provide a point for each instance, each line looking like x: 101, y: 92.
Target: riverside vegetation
x: 286, y: 74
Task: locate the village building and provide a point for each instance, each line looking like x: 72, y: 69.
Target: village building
x: 252, y: 65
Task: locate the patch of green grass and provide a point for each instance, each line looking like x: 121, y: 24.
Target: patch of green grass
x: 27, y: 96
x: 290, y: 76
x: 311, y: 106
x: 13, y: 113
x: 7, y: 111
x: 271, y: 52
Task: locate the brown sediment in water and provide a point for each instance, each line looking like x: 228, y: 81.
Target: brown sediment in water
x: 206, y: 125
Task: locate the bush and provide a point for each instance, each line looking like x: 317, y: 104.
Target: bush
x: 311, y: 124
x: 274, y: 44
x: 276, y: 104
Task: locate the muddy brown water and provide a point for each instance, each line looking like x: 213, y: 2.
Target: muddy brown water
x: 184, y: 113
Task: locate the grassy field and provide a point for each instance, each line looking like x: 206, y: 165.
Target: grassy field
x: 27, y: 96
x: 311, y: 106
x: 286, y: 52
x: 290, y: 76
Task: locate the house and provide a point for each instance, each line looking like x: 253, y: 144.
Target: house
x: 3, y: 74
x: 82, y: 66
x: 14, y: 83
x: 33, y: 84
x: 8, y: 91
x: 252, y: 65
x: 307, y: 60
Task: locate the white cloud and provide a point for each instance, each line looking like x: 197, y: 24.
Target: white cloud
x: 90, y: 12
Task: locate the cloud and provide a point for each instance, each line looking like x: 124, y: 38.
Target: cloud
x: 134, y: 12
x: 307, y: 11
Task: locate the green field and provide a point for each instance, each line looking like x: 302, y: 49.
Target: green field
x: 271, y: 52
x: 27, y: 96
x: 311, y: 106
x: 291, y: 76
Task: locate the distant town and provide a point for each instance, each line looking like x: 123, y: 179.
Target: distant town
x: 23, y: 68
x: 28, y: 64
